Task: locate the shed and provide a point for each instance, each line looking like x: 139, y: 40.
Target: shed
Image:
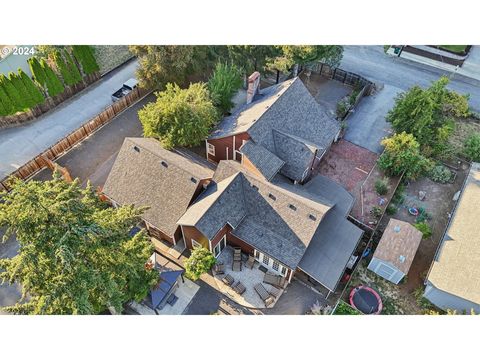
x: 395, y: 251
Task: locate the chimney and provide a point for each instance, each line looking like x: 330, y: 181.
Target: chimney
x: 253, y: 86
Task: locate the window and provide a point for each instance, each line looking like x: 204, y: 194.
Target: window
x: 196, y: 244
x: 220, y: 246
x: 266, y: 259
x: 256, y: 254
x: 275, y: 265
x: 283, y: 271
x: 211, y: 149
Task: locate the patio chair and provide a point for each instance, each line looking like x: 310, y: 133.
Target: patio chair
x: 228, y: 280
x: 275, y: 280
x: 274, y: 291
x: 250, y: 261
x: 239, y: 288
x: 237, y: 265
x: 219, y: 269
x: 264, y: 295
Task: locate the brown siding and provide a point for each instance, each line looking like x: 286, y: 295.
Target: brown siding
x: 227, y: 228
x: 222, y: 144
x: 199, y: 189
x: 192, y: 233
x: 156, y: 233
x: 235, y: 241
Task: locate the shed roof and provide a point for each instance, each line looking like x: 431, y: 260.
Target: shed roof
x: 456, y: 269
x: 399, y: 244
x: 146, y: 174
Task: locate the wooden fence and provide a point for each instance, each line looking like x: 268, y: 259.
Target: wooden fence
x: 36, y: 164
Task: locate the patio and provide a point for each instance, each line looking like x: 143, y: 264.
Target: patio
x: 248, y: 277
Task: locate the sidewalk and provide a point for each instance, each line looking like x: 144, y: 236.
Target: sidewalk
x: 469, y: 69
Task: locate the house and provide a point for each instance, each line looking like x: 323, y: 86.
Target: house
x: 280, y: 129
x: 395, y: 251
x: 454, y: 278
x: 288, y: 228
x: 145, y: 174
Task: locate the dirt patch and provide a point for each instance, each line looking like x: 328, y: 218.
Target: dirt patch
x: 327, y: 92
x: 438, y: 205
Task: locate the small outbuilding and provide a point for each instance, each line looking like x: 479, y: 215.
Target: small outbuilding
x: 395, y: 251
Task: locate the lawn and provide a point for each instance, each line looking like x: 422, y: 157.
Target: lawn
x: 455, y: 48
x: 111, y: 56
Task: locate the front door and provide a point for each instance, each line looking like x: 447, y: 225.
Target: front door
x: 220, y: 246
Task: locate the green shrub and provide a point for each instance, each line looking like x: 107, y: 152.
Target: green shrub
x: 85, y: 57
x: 440, y: 174
x: 472, y: 147
x: 73, y: 68
x: 26, y: 100
x: 200, y: 261
x: 344, y: 309
x: 342, y: 108
x: 423, y: 215
x: 424, y: 228
x: 37, y: 71
x: 391, y: 209
x: 381, y: 186
x: 376, y: 212
x: 7, y: 107
x: 63, y: 68
x: 399, y: 197
x: 223, y: 84
x: 12, y: 93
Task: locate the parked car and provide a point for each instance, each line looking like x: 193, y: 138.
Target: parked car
x: 126, y: 88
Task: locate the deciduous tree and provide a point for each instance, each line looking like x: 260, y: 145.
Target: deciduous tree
x: 200, y: 261
x: 76, y: 255
x: 223, y: 84
x: 179, y: 117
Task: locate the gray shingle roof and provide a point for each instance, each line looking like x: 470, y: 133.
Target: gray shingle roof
x: 288, y: 108
x: 283, y: 219
x: 145, y: 174
x: 266, y: 162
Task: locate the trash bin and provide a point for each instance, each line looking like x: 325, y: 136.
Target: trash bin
x: 396, y: 50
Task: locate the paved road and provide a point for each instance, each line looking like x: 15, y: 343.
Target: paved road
x: 367, y: 126
x: 21, y: 144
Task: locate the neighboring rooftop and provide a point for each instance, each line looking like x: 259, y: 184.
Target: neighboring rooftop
x: 145, y: 174
x: 456, y: 269
x: 399, y: 244
x: 267, y: 163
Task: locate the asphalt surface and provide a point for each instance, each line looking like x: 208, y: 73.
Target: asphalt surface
x: 366, y: 127
x: 20, y: 144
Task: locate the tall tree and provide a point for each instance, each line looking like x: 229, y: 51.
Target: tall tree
x: 26, y: 99
x: 76, y: 255
x: 179, y: 117
x: 223, y: 84
x: 252, y: 58
x: 72, y: 67
x: 290, y: 56
x: 32, y: 89
x: 7, y: 103
x: 86, y: 58
x: 159, y: 65
x: 54, y: 85
x: 12, y: 93
x: 62, y: 67
x: 37, y: 71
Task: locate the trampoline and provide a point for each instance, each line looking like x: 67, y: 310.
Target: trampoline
x: 366, y: 300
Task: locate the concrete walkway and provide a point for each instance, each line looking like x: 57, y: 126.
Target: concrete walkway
x: 20, y: 144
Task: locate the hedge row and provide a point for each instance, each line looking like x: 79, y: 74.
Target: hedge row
x: 86, y: 58
x: 18, y: 93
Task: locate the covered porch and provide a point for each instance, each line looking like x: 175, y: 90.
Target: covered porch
x: 248, y: 277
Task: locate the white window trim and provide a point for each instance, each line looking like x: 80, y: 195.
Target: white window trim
x: 222, y: 240
x: 210, y: 149
x: 195, y: 244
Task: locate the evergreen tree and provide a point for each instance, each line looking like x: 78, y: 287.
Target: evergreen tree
x: 63, y: 68
x: 3, y: 112
x: 76, y: 255
x: 37, y: 71
x: 32, y: 89
x: 72, y: 67
x: 25, y: 97
x: 85, y: 57
x: 12, y: 93
x: 54, y: 85
x: 7, y: 103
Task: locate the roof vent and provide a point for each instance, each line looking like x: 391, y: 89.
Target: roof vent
x: 401, y: 258
x: 396, y: 228
x: 312, y: 217
x: 136, y: 148
x: 293, y: 207
x: 164, y: 163
x: 271, y: 196
x: 193, y: 180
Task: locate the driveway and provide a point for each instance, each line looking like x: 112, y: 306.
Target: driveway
x: 367, y: 126
x: 20, y: 144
